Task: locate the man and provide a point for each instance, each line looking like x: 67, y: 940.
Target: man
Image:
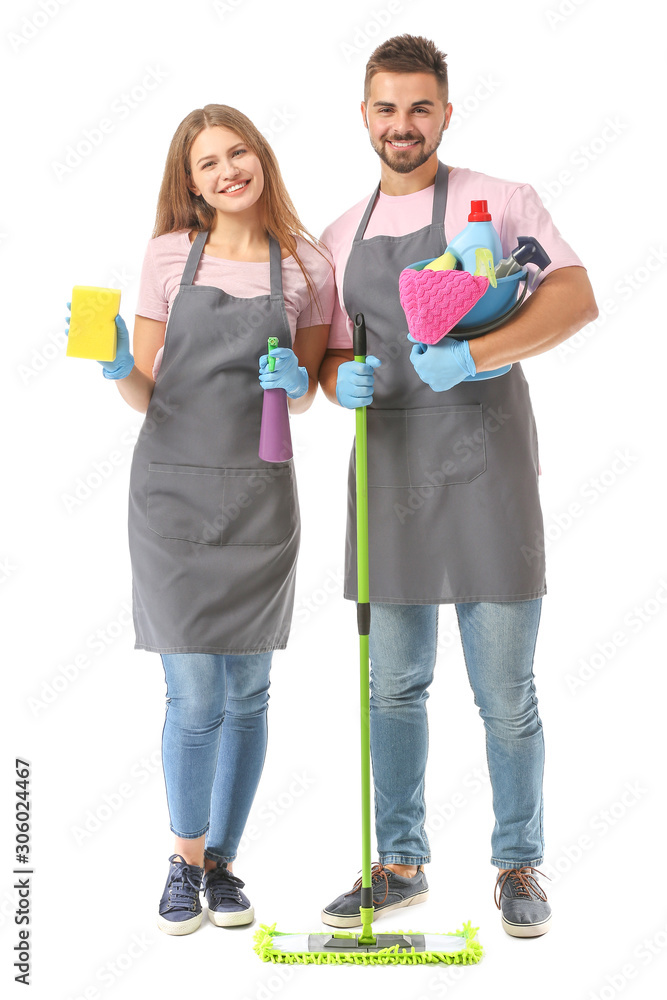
x: 454, y: 513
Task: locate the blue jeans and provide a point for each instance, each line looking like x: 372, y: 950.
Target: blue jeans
x: 498, y: 644
x: 214, y: 744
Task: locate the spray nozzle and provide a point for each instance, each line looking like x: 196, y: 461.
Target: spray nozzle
x: 529, y: 251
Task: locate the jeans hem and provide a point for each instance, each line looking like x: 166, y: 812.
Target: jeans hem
x: 516, y: 864
x: 189, y: 836
x: 219, y: 857
x: 403, y: 859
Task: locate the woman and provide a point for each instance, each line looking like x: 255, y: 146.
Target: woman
x: 214, y: 530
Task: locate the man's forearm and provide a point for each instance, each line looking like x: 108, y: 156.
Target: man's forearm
x: 561, y: 305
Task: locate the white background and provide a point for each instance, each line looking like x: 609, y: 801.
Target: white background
x: 564, y: 95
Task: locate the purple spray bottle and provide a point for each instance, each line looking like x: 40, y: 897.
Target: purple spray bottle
x: 275, y: 440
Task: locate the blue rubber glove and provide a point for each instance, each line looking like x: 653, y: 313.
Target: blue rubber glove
x: 286, y: 375
x: 123, y: 363
x: 354, y: 385
x: 443, y: 365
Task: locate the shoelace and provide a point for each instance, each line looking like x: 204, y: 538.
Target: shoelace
x: 223, y: 885
x: 377, y: 874
x: 184, y: 884
x: 523, y: 882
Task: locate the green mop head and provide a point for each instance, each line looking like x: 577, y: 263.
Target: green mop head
x: 400, y: 948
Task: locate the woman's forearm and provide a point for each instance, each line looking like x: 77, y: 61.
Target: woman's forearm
x: 136, y: 389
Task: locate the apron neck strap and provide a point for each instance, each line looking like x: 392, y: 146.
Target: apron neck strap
x: 276, y: 270
x: 439, y: 201
x: 197, y: 249
x: 440, y: 195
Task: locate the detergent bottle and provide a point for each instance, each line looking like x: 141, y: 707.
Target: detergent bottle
x: 480, y: 232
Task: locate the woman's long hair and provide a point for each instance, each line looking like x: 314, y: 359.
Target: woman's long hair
x: 178, y: 208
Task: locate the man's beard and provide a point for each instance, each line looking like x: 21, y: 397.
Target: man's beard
x: 405, y: 162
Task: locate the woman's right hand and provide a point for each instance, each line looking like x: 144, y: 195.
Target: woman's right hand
x: 123, y: 363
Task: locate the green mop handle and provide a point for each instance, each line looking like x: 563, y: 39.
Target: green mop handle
x: 363, y: 626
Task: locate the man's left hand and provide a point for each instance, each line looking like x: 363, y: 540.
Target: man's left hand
x: 443, y: 365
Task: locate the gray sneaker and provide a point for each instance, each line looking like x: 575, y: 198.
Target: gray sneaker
x: 522, y: 902
x: 390, y: 891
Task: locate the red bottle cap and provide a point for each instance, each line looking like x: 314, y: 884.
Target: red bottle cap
x: 479, y: 212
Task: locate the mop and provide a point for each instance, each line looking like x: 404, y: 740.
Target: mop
x: 366, y: 948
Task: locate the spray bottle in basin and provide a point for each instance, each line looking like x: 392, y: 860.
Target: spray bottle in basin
x: 469, y: 290
x: 480, y: 232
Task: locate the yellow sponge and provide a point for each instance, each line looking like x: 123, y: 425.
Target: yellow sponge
x: 92, y: 330
x: 447, y: 262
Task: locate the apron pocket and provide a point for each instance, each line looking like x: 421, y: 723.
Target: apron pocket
x: 430, y: 446
x: 387, y: 448
x: 186, y: 501
x: 221, y: 506
x: 445, y: 444
x: 258, y: 506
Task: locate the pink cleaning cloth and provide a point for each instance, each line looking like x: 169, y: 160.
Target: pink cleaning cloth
x: 434, y: 301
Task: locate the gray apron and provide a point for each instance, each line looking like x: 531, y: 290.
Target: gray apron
x: 213, y: 530
x: 454, y: 510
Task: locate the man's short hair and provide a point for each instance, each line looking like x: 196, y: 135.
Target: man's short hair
x: 408, y: 54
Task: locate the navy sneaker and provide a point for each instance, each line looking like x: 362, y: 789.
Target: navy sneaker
x: 227, y: 905
x: 522, y: 902
x: 398, y: 891
x: 180, y: 909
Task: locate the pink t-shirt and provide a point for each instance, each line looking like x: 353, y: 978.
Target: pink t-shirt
x: 516, y: 210
x: 164, y: 263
